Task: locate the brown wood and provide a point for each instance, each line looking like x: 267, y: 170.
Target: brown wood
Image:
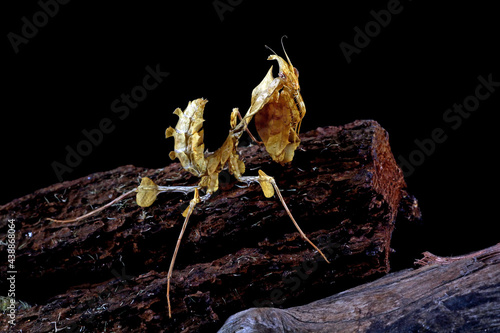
x: 240, y: 250
x: 450, y: 295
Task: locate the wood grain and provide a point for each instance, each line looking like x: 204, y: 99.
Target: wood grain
x: 240, y: 249
x: 461, y: 295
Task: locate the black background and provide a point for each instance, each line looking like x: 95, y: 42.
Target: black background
x: 64, y: 79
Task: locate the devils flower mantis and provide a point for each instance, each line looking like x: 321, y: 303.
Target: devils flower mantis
x: 278, y: 109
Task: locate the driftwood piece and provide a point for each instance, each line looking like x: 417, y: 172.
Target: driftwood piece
x: 452, y: 295
x: 240, y: 249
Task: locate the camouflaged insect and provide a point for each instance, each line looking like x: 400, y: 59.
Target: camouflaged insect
x: 278, y: 108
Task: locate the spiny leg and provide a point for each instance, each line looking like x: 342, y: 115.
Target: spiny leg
x: 248, y: 131
x: 187, y: 214
x: 269, y: 187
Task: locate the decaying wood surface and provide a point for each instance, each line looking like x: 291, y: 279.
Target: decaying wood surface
x: 451, y: 295
x: 108, y: 273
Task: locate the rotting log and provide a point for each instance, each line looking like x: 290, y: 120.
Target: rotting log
x: 240, y: 249
x: 459, y: 294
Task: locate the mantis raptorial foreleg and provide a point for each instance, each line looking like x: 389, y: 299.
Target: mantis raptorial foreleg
x: 246, y: 128
x: 269, y: 187
x: 186, y: 214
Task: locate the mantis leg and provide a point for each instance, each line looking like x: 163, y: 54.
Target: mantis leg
x: 269, y: 187
x: 96, y: 210
x: 302, y: 234
x: 187, y: 214
x: 146, y: 195
x: 248, y: 131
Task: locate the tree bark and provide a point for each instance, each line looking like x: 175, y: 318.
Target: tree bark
x: 240, y: 250
x: 451, y: 295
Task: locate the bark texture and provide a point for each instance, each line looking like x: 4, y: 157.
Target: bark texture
x: 451, y: 295
x: 108, y: 273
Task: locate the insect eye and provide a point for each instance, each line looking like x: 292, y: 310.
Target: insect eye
x: 282, y: 75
